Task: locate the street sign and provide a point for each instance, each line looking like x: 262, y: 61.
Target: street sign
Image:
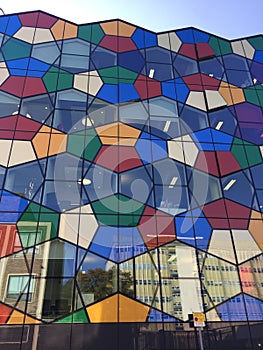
x: 199, y: 319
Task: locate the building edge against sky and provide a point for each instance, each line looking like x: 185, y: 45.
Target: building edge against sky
x: 131, y: 178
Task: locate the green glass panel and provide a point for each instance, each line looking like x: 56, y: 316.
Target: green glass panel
x: 238, y: 150
x: 38, y: 221
x: 57, y: 79
x: 220, y: 46
x: 116, y: 75
x: 251, y: 96
x: 118, y: 210
x: 86, y: 146
x: 92, y: 33
x: 14, y: 49
x: 254, y: 95
x: 256, y: 42
x: 78, y: 317
x: 253, y: 154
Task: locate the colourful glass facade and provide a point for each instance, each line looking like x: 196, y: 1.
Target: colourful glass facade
x: 130, y: 173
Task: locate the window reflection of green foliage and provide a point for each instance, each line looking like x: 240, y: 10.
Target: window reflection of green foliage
x: 103, y: 283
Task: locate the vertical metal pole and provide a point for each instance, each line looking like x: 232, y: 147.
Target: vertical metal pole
x: 35, y: 337
x: 200, y: 338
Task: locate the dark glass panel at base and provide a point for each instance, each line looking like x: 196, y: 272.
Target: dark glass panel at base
x: 131, y: 336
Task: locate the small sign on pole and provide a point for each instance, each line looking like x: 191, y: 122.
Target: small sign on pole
x: 199, y: 319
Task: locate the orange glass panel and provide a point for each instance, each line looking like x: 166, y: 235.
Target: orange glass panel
x: 231, y: 93
x: 118, y: 133
x: 256, y: 228
x: 20, y: 318
x: 49, y: 142
x: 58, y: 29
x: 71, y: 31
x: 126, y: 29
x: 132, y: 311
x: 104, y: 311
x: 110, y: 28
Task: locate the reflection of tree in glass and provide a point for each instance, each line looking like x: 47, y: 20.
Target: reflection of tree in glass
x: 103, y: 283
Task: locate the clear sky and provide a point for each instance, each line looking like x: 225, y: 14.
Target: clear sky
x: 227, y: 18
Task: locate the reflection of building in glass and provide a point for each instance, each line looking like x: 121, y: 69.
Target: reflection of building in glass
x: 130, y: 174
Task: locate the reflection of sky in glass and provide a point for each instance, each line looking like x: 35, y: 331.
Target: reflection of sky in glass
x: 216, y: 17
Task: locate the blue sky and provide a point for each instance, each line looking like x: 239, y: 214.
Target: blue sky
x: 227, y: 18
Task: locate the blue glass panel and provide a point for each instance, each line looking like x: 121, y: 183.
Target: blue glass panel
x: 193, y: 119
x: 11, y: 207
x: 185, y: 230
x: 184, y: 65
x: 158, y: 316
x: 63, y: 195
x: 104, y: 182
x: 150, y: 39
x: 235, y: 62
x: 38, y: 65
x: 225, y: 116
x: 151, y: 150
x: 64, y: 167
x: 259, y: 194
x: 258, y: 56
x: 204, y: 188
x: 117, y: 244
x: 168, y: 89
x: 25, y: 66
x: 47, y: 52
x: 257, y: 175
x: 202, y: 231
x: 132, y: 60
x: 241, y: 191
x: 171, y: 199
x: 158, y: 55
x: 127, y: 92
x: 103, y: 58
x: 254, y: 308
x: 239, y: 78
x: 233, y: 310
x: 213, y: 66
x: 76, y: 46
x: 182, y: 90
x: 209, y: 140
x: 25, y: 179
x: 2, y: 175
x: 168, y: 171
x: 200, y: 36
x: 13, y: 25
x: 138, y: 38
x: 162, y: 71
x: 257, y: 71
x: 186, y: 35
x: 109, y: 93
x: 3, y: 23
x: 143, y: 38
x: 136, y: 184
x: 195, y: 231
x: 91, y: 262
